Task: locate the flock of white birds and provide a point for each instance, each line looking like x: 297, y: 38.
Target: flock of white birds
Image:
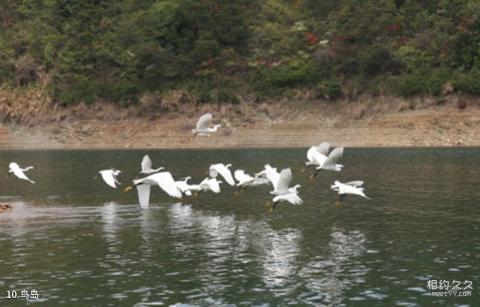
x: 319, y: 157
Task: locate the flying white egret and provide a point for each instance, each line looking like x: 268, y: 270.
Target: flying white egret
x: 187, y: 188
x: 110, y: 177
x: 352, y: 187
x: 223, y: 170
x: 147, y: 166
x: 271, y: 174
x: 283, y: 182
x: 211, y: 184
x: 291, y: 196
x: 15, y: 169
x: 163, y: 179
x: 244, y: 180
x: 202, y: 126
x: 317, y: 154
x: 329, y: 162
x: 283, y: 192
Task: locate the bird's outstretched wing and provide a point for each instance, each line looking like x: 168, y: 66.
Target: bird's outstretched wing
x: 203, y: 121
x: 284, y: 180
x: 143, y: 191
x: 241, y: 176
x: 310, y: 153
x: 294, y: 199
x: 221, y: 169
x: 146, y: 163
x: 323, y: 148
x: 109, y: 178
x: 356, y: 183
x: 272, y: 175
x: 348, y: 189
x: 214, y: 185
x: 211, y: 184
x: 318, y: 158
x: 166, y: 182
x: 333, y: 157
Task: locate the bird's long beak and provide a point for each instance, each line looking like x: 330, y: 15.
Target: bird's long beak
x: 128, y: 188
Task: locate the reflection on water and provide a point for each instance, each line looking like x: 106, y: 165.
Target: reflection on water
x: 328, y: 277
x: 110, y: 220
x: 63, y: 239
x: 279, y: 262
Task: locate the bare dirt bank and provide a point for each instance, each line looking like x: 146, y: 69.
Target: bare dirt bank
x: 371, y: 122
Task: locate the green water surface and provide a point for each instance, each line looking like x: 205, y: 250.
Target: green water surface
x: 78, y: 242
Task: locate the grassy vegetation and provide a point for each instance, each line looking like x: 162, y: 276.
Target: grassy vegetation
x: 120, y: 50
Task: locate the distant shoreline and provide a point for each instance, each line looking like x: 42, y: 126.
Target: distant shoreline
x: 285, y: 126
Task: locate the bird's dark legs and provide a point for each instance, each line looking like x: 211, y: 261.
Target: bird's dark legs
x: 274, y: 205
x: 239, y: 192
x: 338, y: 202
x: 269, y: 206
x: 312, y: 176
x: 130, y: 187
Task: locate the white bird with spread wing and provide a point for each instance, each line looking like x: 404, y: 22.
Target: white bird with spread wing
x: 352, y: 187
x: 147, y: 166
x: 211, y: 184
x: 15, y: 169
x: 202, y: 126
x: 187, y: 188
x: 271, y: 174
x: 223, y: 170
x: 283, y: 192
x: 244, y: 181
x: 110, y: 177
x: 316, y: 156
x: 163, y: 179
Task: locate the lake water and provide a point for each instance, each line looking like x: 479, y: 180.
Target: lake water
x: 78, y: 242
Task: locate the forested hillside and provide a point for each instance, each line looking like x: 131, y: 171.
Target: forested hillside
x: 226, y: 51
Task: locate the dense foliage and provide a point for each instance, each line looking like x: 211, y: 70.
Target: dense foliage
x: 119, y: 50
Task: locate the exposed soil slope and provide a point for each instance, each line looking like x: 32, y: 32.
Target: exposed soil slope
x: 376, y: 122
